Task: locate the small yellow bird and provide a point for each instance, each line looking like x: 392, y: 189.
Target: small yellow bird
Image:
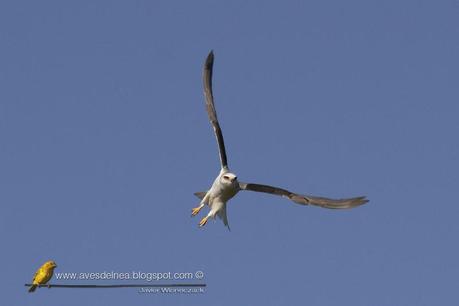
x: 43, y: 275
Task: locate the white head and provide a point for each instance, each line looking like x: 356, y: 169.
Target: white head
x: 228, y: 179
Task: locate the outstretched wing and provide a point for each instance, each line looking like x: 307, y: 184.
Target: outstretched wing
x: 208, y: 66
x: 305, y: 199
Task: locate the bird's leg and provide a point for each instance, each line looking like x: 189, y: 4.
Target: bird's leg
x: 196, y: 210
x: 49, y: 286
x: 203, y: 202
x: 203, y: 221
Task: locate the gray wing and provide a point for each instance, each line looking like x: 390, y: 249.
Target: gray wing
x: 305, y: 199
x: 208, y: 66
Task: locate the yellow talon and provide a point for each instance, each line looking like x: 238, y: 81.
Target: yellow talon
x: 196, y: 210
x: 203, y: 221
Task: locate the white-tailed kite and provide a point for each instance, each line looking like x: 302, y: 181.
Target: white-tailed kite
x: 226, y: 184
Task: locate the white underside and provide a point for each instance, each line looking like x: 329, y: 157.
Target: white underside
x: 217, y: 197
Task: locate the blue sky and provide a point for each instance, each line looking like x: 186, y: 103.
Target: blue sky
x: 104, y: 139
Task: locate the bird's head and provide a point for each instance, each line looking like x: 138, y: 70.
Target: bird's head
x: 50, y: 264
x: 228, y: 179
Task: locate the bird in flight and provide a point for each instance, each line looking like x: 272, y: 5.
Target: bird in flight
x: 226, y: 185
x: 43, y: 275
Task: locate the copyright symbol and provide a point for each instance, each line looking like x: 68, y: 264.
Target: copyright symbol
x: 199, y: 274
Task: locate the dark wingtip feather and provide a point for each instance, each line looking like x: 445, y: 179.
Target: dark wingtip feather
x: 210, y: 58
x: 337, y: 204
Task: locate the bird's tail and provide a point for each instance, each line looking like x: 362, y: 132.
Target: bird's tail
x: 336, y: 204
x: 224, y: 217
x: 32, y: 288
